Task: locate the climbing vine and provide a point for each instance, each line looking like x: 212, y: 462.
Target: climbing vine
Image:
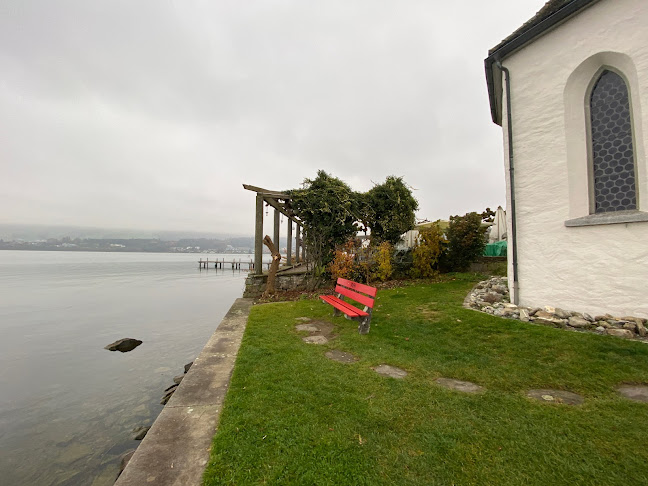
x: 332, y: 213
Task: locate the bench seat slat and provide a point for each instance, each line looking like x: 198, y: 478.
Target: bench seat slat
x: 345, y: 307
x: 362, y: 299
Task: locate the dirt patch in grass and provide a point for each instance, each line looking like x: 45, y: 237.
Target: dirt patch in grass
x: 324, y: 329
x: 428, y: 311
x: 317, y: 328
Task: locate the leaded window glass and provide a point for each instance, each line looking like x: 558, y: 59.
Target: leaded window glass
x: 612, y: 147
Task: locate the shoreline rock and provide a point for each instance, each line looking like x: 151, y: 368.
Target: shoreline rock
x: 176, y: 382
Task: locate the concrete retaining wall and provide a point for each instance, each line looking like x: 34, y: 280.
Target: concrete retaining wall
x: 176, y: 449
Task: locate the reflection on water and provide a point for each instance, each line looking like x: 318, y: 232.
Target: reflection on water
x: 68, y: 406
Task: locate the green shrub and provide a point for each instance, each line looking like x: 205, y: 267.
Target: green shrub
x: 388, y: 209
x: 402, y: 263
x: 466, y: 239
x: 328, y: 207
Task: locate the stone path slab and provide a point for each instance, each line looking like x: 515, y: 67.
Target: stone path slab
x: 638, y: 393
x: 556, y: 396
x: 341, y: 356
x: 307, y: 328
x: 391, y: 371
x: 315, y: 340
x: 462, y: 386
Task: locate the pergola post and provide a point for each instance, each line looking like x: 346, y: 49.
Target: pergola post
x: 289, y: 243
x: 298, y: 244
x: 258, y: 236
x: 276, y: 230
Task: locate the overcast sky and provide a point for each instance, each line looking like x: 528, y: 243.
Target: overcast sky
x: 151, y: 114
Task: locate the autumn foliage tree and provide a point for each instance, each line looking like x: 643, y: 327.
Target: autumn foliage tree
x: 428, y: 252
x: 343, y: 263
x: 384, y: 256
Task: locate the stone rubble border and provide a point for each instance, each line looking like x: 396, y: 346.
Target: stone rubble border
x: 492, y: 297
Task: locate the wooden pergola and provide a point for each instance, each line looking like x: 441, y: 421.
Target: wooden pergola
x: 281, y: 204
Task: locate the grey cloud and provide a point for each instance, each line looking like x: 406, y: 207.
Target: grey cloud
x: 151, y: 114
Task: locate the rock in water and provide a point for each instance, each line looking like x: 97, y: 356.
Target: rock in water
x: 187, y: 366
x: 140, y: 432
x: 124, y: 345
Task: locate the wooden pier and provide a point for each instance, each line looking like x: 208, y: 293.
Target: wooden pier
x: 234, y: 264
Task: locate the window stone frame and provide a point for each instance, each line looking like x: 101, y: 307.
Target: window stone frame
x: 577, y: 118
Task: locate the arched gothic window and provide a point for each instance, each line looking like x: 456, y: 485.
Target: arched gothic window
x: 613, y: 163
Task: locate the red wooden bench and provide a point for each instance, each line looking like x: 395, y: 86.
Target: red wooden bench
x: 363, y: 294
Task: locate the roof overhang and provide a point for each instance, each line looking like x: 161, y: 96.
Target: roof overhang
x: 493, y: 75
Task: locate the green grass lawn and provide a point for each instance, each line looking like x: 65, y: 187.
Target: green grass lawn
x: 292, y: 416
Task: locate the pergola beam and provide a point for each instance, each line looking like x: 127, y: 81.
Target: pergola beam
x: 281, y: 203
x: 266, y: 192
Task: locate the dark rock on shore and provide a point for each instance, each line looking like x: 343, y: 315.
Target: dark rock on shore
x: 124, y: 461
x: 168, y: 392
x: 140, y: 432
x: 176, y: 381
x: 124, y: 345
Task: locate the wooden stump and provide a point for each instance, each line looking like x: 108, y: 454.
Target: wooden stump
x: 274, y: 266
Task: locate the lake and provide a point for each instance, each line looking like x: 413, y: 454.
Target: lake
x: 68, y: 406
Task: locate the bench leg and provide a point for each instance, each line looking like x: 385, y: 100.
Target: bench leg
x: 337, y: 312
x: 363, y: 327
x: 365, y: 322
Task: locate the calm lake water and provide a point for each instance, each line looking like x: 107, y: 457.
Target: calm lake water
x: 68, y: 406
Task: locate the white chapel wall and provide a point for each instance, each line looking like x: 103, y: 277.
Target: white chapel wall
x: 594, y: 269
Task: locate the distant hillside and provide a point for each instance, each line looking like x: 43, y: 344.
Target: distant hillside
x: 28, y: 232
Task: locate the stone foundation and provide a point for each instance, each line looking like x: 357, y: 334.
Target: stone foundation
x: 492, y: 297
x: 255, y: 285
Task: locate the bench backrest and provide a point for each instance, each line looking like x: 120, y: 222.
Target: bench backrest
x: 352, y: 290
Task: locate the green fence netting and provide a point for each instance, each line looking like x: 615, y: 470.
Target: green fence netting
x: 496, y: 249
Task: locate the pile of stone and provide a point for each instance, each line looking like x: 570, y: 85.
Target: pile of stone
x: 492, y: 297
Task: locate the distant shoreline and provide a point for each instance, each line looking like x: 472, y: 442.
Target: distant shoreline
x: 124, y: 250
